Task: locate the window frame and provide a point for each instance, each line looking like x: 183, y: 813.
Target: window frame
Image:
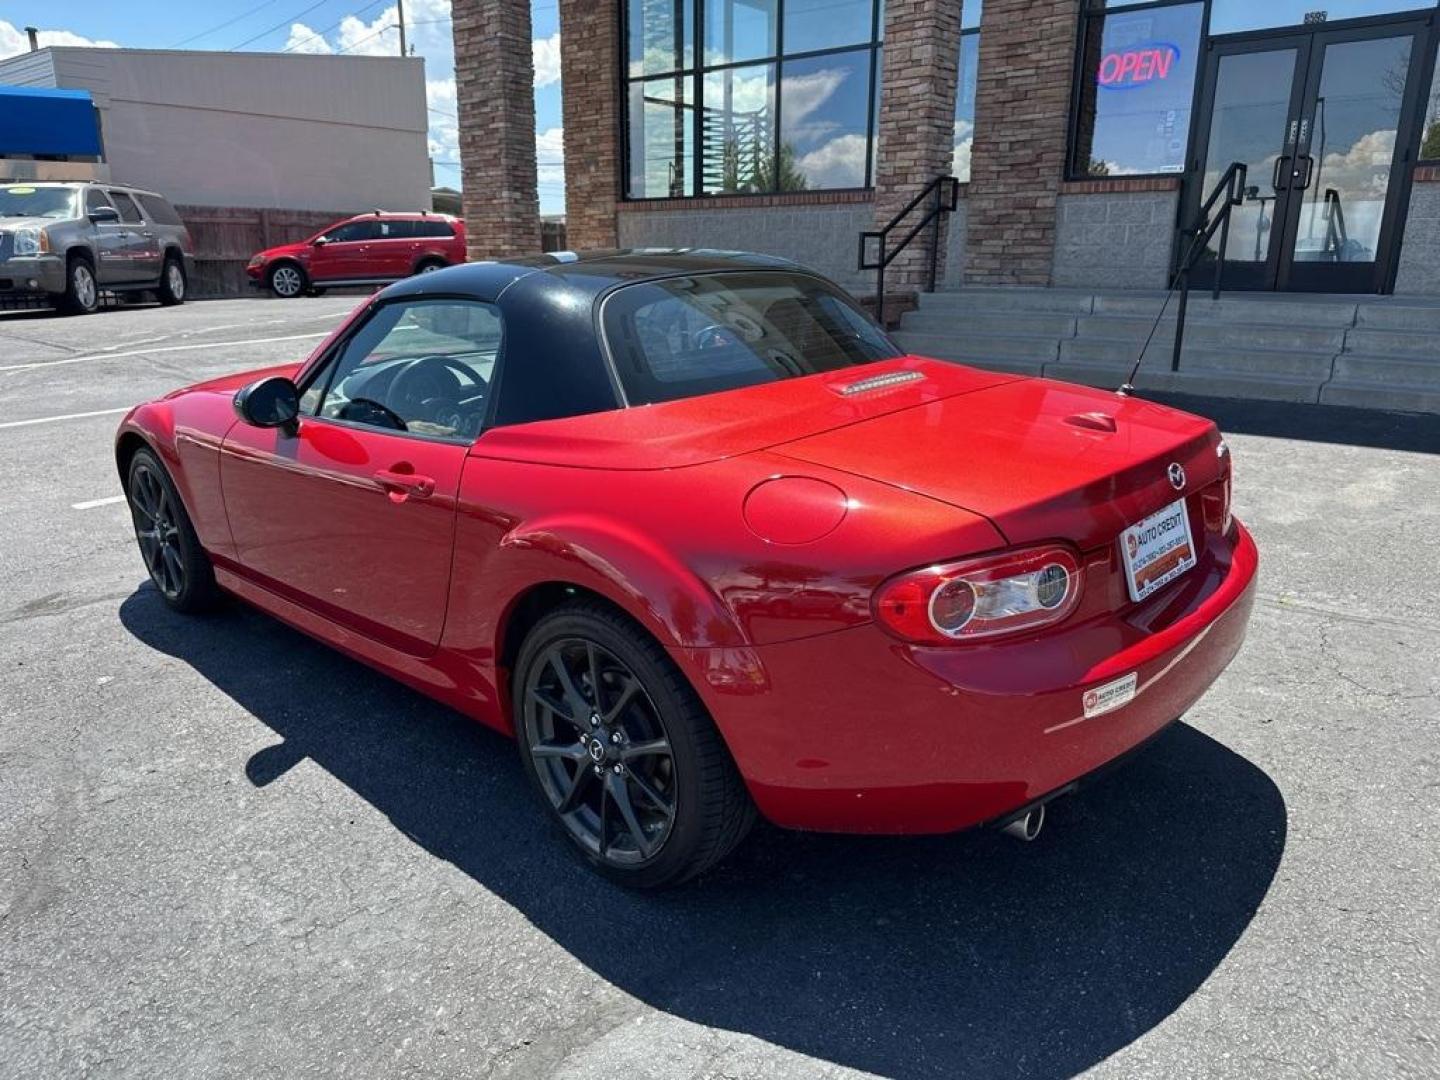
x: 694, y: 76
x: 965, y: 32
x: 118, y: 198
x: 1428, y: 75
x: 323, y: 369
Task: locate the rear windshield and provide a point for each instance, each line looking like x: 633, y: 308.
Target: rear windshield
x: 685, y: 336
x: 19, y: 200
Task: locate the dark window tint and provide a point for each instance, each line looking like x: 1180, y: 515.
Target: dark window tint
x: 422, y: 367
x: 352, y: 231
x: 397, y: 230
x: 434, y: 228
x: 129, y: 212
x: 681, y: 337
x: 95, y: 198
x: 158, y: 210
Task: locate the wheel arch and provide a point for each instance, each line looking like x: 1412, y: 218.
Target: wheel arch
x: 428, y: 258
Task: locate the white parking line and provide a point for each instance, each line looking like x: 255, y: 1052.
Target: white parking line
x: 66, y: 416
x: 153, y: 352
x: 93, y: 504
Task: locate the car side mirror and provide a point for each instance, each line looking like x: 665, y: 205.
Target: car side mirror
x: 321, y: 241
x: 104, y: 215
x: 272, y: 402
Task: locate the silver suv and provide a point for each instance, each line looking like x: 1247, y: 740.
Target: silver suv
x: 64, y: 243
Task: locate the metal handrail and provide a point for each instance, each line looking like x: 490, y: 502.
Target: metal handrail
x: 1232, y: 187
x: 938, y: 188
x: 1336, y: 235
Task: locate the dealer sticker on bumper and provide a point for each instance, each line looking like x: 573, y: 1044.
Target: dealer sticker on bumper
x: 1111, y: 696
x: 1157, y: 550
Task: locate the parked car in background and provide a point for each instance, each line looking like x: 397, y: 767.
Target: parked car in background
x: 65, y: 243
x: 368, y: 249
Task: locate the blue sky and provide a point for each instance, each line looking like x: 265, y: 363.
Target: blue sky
x: 350, y: 26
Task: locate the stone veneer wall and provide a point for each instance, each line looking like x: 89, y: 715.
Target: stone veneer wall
x: 589, y: 72
x: 1419, y: 271
x: 1115, y: 234
x: 1027, y: 57
x: 824, y: 236
x: 957, y: 237
x: 917, y: 119
x: 494, y: 74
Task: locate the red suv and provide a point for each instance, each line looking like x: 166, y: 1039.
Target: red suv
x: 367, y: 249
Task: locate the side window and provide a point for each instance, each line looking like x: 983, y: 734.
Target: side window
x: 158, y: 210
x: 95, y: 198
x: 352, y: 231
x: 129, y: 212
x: 434, y: 228
x: 397, y: 230
x: 421, y: 367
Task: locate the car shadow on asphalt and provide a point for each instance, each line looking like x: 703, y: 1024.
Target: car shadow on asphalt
x: 970, y: 954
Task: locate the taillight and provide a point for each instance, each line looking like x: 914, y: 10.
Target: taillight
x: 1215, y: 499
x: 981, y: 598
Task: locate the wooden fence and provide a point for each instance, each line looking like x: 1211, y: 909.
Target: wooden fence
x: 227, y: 236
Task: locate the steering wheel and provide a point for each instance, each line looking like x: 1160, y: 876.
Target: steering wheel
x: 429, y: 379
x: 363, y: 410
x: 722, y: 336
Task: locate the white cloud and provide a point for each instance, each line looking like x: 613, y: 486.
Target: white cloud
x: 13, y: 40
x: 839, y: 163
x: 964, y: 140
x: 545, y: 52
x: 550, y: 147
x: 444, y: 122
x: 304, y: 40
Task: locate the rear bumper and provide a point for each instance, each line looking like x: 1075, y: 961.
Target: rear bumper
x: 856, y: 732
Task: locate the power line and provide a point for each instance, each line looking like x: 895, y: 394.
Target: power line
x: 280, y: 25
x: 367, y: 37
x: 321, y: 33
x: 223, y: 25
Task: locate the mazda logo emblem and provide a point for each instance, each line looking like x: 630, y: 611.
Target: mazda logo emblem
x: 1177, y: 476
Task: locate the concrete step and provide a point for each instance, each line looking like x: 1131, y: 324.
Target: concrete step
x: 964, y: 324
x: 1399, y: 314
x: 973, y: 299
x: 1254, y: 361
x: 1251, y: 308
x: 1380, y: 396
x: 1008, y: 352
x: 1216, y: 334
x: 1402, y: 373
x: 1209, y: 383
x: 1417, y: 343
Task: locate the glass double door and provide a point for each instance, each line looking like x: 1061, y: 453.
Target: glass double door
x: 1324, y: 121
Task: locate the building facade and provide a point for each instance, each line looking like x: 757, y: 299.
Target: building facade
x: 1086, y: 134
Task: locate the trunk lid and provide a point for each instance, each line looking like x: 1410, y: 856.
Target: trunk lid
x: 1042, y: 460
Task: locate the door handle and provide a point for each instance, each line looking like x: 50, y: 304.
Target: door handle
x: 402, y: 485
x: 1281, y: 167
x: 1309, y: 169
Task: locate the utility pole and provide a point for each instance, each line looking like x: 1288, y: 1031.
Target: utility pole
x: 400, y: 14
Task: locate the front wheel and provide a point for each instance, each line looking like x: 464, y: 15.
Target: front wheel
x: 623, y: 752
x: 172, y: 553
x: 286, y: 281
x: 82, y: 294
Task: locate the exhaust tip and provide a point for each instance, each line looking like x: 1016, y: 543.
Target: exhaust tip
x: 1028, y: 825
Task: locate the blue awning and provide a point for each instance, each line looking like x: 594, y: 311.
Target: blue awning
x: 36, y: 121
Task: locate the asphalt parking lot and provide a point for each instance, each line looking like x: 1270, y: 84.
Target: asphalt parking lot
x: 225, y: 851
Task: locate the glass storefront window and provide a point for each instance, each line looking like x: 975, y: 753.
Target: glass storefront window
x: 766, y: 95
x: 965, y: 106
x: 661, y: 36
x: 1237, y: 16
x: 811, y: 25
x: 1430, y: 134
x: 662, y: 138
x: 738, y: 30
x: 738, y: 127
x: 1136, y: 91
x: 823, y: 127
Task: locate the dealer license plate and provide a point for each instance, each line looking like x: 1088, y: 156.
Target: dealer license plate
x: 1157, y: 550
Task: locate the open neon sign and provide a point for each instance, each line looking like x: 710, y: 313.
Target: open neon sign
x: 1138, y: 65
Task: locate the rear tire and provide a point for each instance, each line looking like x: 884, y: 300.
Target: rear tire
x: 429, y: 266
x: 287, y: 281
x: 82, y: 293
x: 177, y: 564
x: 636, y: 776
x: 173, y: 284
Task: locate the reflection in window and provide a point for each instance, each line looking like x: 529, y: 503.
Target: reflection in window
x: 811, y: 25
x: 751, y: 119
x: 662, y: 138
x: 1430, y: 136
x: 661, y: 36
x: 1233, y: 16
x: 739, y: 127
x: 1136, y: 89
x: 823, y: 131
x: 965, y: 105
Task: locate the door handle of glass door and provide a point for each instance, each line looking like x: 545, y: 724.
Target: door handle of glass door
x: 1281, y: 165
x: 1309, y: 170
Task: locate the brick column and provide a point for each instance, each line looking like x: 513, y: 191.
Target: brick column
x: 590, y: 74
x: 917, y: 121
x: 494, y: 87
x: 1022, y: 101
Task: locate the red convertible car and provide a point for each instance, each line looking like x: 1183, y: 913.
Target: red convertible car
x: 694, y: 530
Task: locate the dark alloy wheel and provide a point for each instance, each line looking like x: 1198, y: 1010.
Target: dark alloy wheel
x: 172, y: 553
x: 629, y: 762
